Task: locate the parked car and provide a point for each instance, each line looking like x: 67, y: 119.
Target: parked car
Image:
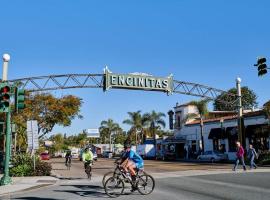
x: 107, y: 154
x: 213, y: 156
x: 74, y: 155
x: 44, y: 156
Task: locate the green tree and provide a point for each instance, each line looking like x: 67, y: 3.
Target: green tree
x: 137, y: 123
x: 58, y: 142
x: 202, y: 114
x: 120, y: 137
x: 107, y: 128
x: 266, y: 109
x: 49, y: 111
x: 154, y: 121
x: 249, y: 100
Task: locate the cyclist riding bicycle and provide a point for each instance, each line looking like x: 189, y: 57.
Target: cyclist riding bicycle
x: 87, y: 156
x: 68, y: 156
x: 133, y: 161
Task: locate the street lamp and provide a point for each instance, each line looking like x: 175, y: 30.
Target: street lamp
x: 6, y: 59
x: 241, y: 138
x: 5, y: 180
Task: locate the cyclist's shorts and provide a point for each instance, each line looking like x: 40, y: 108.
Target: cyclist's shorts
x: 139, y: 165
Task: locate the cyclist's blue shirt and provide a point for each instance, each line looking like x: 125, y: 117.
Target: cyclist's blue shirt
x: 136, y: 158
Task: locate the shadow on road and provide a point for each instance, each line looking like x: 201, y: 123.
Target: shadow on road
x: 85, y: 190
x: 71, y: 178
x: 36, y: 198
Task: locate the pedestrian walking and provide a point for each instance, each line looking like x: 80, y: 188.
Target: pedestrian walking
x: 252, y: 154
x: 239, y: 157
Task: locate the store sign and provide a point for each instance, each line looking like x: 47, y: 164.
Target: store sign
x: 93, y: 133
x: 137, y: 82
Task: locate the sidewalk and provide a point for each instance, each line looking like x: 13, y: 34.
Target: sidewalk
x: 26, y: 183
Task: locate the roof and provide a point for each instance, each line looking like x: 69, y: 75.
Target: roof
x: 249, y: 114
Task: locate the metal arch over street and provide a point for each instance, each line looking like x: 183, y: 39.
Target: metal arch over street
x: 69, y: 81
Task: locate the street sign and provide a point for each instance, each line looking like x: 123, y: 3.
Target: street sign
x: 32, y: 135
x: 137, y: 81
x: 93, y: 133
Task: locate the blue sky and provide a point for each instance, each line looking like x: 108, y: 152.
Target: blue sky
x: 209, y: 42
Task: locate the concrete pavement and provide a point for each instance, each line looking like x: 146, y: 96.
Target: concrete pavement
x: 26, y: 183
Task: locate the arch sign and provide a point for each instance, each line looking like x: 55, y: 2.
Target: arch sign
x: 137, y: 81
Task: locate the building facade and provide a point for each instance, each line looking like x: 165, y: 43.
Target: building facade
x: 219, y: 132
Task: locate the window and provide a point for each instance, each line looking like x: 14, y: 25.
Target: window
x: 215, y: 144
x: 232, y: 138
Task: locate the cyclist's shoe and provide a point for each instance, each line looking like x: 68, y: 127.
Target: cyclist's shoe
x: 133, y: 188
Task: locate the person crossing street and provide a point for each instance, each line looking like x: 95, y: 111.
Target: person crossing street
x: 239, y: 157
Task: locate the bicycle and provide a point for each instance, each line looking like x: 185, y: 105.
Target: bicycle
x: 88, y: 169
x: 68, y: 163
x: 115, y: 173
x: 115, y: 185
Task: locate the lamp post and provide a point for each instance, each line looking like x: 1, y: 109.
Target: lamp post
x: 202, y: 140
x: 241, y: 137
x: 5, y: 180
x: 222, y: 136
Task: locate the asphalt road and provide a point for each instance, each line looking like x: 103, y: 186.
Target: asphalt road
x: 174, y: 180
x: 151, y: 166
x: 233, y: 186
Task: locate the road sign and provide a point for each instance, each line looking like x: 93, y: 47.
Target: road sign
x: 32, y: 135
x: 93, y: 133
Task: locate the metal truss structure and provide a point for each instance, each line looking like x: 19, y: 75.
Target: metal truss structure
x: 69, y: 81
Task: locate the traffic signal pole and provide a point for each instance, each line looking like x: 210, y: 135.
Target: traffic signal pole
x: 5, y: 180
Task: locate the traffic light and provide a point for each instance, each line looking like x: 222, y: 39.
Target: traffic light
x: 19, y: 99
x: 262, y: 67
x: 4, y: 97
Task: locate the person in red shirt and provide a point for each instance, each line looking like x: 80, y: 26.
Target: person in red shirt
x: 239, y: 156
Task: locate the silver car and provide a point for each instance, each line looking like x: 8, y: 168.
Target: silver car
x: 213, y: 156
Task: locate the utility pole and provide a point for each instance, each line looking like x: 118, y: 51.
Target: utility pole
x: 240, y: 120
x: 6, y: 178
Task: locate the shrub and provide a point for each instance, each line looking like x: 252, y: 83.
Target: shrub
x: 43, y: 169
x: 23, y: 166
x: 264, y: 158
x: 21, y: 170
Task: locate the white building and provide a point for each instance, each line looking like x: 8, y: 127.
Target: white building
x: 219, y: 131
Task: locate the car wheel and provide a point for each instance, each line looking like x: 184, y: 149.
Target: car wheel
x: 212, y: 160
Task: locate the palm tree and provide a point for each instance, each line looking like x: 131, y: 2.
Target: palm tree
x: 136, y: 121
x: 202, y: 112
x: 108, y: 127
x: 154, y: 121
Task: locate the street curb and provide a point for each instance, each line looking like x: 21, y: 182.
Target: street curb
x: 26, y: 189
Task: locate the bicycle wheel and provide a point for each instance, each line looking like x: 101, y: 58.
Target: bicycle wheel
x: 69, y: 164
x: 88, y: 171
x: 114, y: 187
x: 107, y: 176
x: 145, y: 184
x: 116, y: 173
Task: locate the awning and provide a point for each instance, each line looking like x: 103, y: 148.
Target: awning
x: 217, y: 133
x: 232, y: 132
x: 258, y: 130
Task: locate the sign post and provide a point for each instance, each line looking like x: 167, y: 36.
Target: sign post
x: 32, y: 138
